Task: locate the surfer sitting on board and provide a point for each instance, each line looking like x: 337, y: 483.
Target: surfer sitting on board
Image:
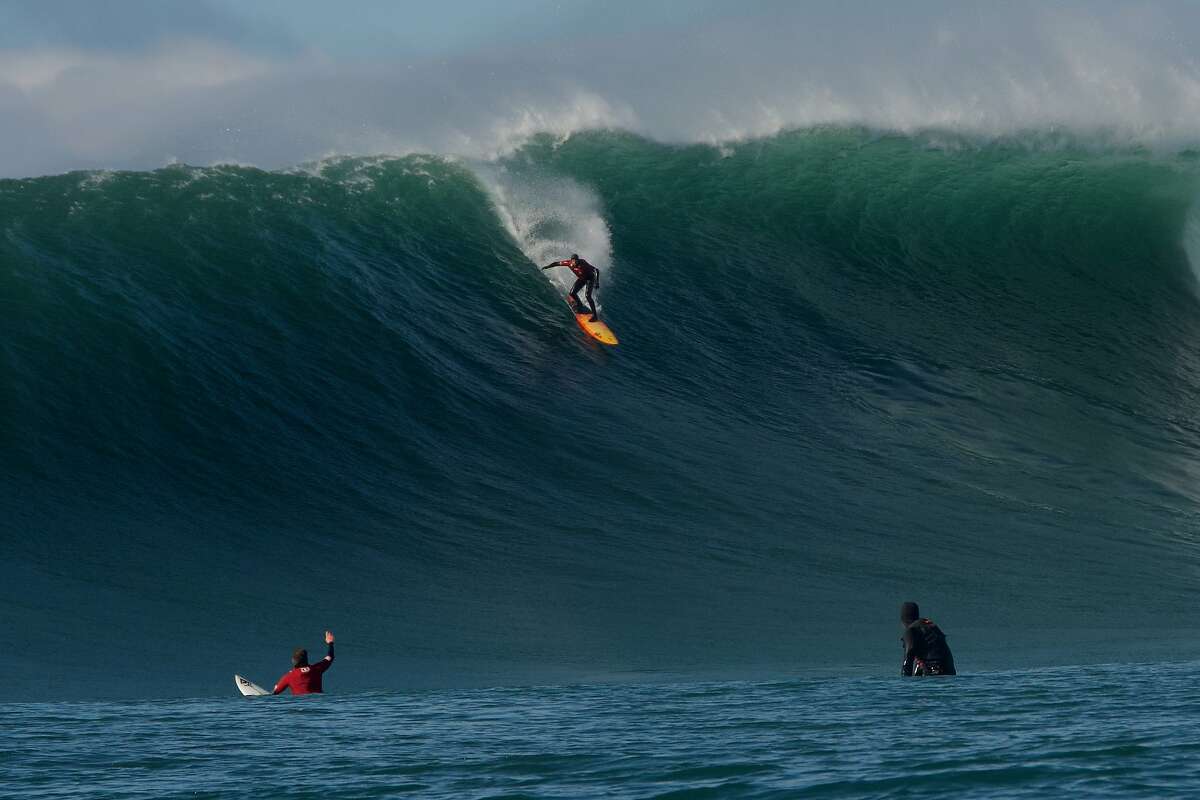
x: 585, y: 275
x: 305, y: 678
x: 925, y: 648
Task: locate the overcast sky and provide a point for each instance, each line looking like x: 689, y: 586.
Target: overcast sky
x: 139, y: 83
x: 349, y: 29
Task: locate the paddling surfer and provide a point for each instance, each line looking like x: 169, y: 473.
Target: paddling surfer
x: 925, y: 648
x: 305, y: 678
x: 586, y: 275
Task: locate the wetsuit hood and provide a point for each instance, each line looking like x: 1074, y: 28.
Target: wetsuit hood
x: 910, y: 612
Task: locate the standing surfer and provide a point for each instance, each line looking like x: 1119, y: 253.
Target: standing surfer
x: 305, y: 678
x: 585, y: 275
x: 925, y: 648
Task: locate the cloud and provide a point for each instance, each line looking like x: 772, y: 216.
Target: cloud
x: 985, y: 70
x: 106, y: 109
x: 176, y: 66
x: 121, y: 26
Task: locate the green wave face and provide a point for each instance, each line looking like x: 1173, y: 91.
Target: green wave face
x: 855, y: 369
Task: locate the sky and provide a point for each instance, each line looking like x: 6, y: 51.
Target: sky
x: 355, y: 29
x: 142, y: 83
x: 380, y: 29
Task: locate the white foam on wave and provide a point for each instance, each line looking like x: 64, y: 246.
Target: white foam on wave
x: 503, y: 131
x: 549, y: 217
x: 1191, y: 241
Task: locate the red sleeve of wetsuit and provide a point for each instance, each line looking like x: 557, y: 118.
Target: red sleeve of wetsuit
x: 284, y: 683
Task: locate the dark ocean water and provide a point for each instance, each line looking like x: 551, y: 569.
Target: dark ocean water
x: 238, y: 407
x: 1123, y: 731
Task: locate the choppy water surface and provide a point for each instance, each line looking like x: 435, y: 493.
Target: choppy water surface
x: 1108, y: 731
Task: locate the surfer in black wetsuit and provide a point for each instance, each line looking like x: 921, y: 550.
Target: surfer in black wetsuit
x: 925, y: 648
x: 585, y: 275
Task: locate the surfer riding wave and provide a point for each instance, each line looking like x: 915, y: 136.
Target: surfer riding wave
x: 586, y: 275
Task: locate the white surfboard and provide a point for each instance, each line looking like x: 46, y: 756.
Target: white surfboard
x: 249, y: 688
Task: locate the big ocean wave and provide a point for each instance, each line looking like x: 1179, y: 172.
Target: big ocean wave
x: 855, y: 367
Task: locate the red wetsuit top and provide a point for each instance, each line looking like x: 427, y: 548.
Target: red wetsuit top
x: 306, y: 679
x: 581, y: 268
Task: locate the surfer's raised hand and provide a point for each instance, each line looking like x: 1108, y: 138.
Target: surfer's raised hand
x: 328, y: 637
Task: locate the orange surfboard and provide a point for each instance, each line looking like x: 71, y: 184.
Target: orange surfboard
x: 597, y: 330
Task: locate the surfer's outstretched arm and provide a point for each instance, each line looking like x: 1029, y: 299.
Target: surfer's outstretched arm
x: 325, y: 662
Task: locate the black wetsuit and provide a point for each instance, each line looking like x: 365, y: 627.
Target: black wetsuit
x: 585, y: 275
x: 925, y: 650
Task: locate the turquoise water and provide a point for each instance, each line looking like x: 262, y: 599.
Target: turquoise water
x: 1105, y: 731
